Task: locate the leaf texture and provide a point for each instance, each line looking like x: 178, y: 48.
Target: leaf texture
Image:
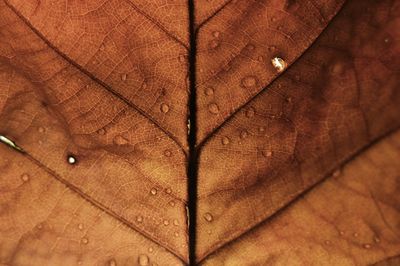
x: 135, y: 117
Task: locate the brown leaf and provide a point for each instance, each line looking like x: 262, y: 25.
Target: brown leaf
x: 96, y: 98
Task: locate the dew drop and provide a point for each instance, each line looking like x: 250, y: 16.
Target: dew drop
x: 341, y: 233
x: 166, y: 222
x: 112, y: 262
x: 167, y: 153
x: 208, y: 217
x: 71, y: 159
x: 243, y: 134
x: 168, y: 191
x: 120, y: 140
x: 41, y: 129
x: 328, y: 242
x: 25, y: 177
x: 176, y: 222
x: 225, y: 140
x: 124, y: 76
x: 216, y: 34
x: 80, y: 226
x: 214, y: 44
x: 172, y: 203
x: 355, y: 234
x: 249, y: 81
x: 213, y: 108
x: 139, y: 219
x: 101, y: 131
x: 209, y: 91
x: 176, y: 234
x: 164, y: 108
x: 250, y: 112
x: 153, y: 191
x: 267, y: 153
x: 143, y: 260
x: 151, y: 249
x: 85, y: 241
x: 278, y: 63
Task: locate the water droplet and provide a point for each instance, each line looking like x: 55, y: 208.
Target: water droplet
x: 80, y: 226
x: 244, y: 134
x: 25, y: 177
x: 41, y: 129
x: 168, y: 191
x: 267, y: 153
x: 139, y: 219
x: 85, y: 241
x: 153, y: 191
x: 164, y: 108
x: 120, y: 140
x: 71, y: 159
x: 176, y: 222
x: 151, y: 249
x: 249, y: 81
x: 214, y: 44
x: 166, y: 222
x: 143, y: 260
x: 101, y: 131
x: 208, y: 217
x: 225, y: 140
x: 216, y: 34
x: 213, y: 108
x: 328, y: 242
x: 172, y: 203
x: 124, y: 76
x: 209, y: 91
x: 112, y: 262
x: 279, y: 64
x: 341, y: 233
x: 250, y: 112
x: 167, y: 153
x: 176, y: 234
x: 355, y: 234
x: 367, y: 246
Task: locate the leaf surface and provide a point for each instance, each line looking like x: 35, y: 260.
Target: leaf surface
x: 135, y: 117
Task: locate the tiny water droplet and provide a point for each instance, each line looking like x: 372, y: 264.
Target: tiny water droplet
x: 85, y: 241
x: 367, y: 246
x: 213, y: 108
x: 249, y: 81
x: 216, y: 34
x: 41, y: 129
x: 151, y: 249
x: 112, y: 262
x: 208, y: 217
x: 124, y: 76
x: 244, y: 134
x: 176, y: 222
x: 168, y: 191
x: 267, y: 153
x: 167, y: 153
x: 25, y: 177
x: 341, y: 233
x: 209, y: 91
x: 143, y: 260
x: 139, y: 219
x: 355, y: 234
x: 176, y: 234
x: 261, y: 129
x: 164, y: 108
x: 250, y: 112
x: 153, y: 191
x: 166, y: 222
x: 172, y: 203
x: 327, y: 242
x: 225, y: 140
x: 214, y: 44
x: 101, y: 131
x: 71, y: 159
x: 278, y: 63
x: 80, y: 226
x: 120, y: 140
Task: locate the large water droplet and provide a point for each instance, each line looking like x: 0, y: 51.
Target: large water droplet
x: 208, y: 217
x: 213, y: 108
x: 278, y: 63
x: 249, y: 81
x: 143, y: 260
x: 164, y: 108
x: 120, y: 140
x: 25, y: 177
x: 225, y: 140
x: 71, y: 159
